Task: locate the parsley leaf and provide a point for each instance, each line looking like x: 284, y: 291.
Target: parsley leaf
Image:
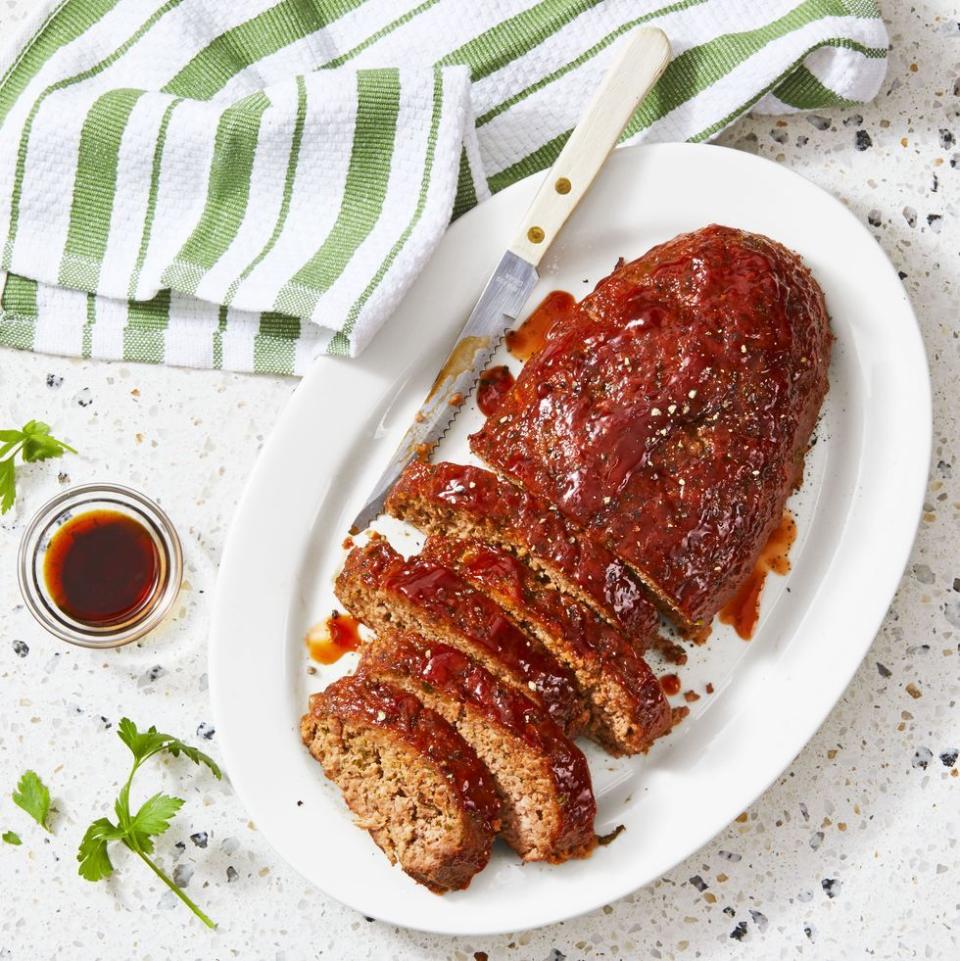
x: 33, y: 442
x: 11, y: 837
x: 8, y: 490
x: 94, y: 860
x: 137, y: 831
x: 32, y: 795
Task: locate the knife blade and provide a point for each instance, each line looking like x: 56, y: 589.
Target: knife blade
x: 641, y: 59
x: 499, y: 305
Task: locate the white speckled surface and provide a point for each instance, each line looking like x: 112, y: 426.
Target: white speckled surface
x: 851, y: 853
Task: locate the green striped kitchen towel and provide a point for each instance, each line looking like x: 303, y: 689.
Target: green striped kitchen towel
x: 248, y: 183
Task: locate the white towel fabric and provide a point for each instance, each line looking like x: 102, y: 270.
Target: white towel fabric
x: 248, y: 184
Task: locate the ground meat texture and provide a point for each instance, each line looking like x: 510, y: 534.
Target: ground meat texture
x: 408, y: 777
x: 384, y: 591
x: 628, y: 709
x: 467, y: 501
x: 548, y: 807
x: 670, y: 415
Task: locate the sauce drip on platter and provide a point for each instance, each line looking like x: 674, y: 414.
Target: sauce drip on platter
x: 494, y: 383
x: 328, y: 641
x: 743, y: 610
x: 532, y: 334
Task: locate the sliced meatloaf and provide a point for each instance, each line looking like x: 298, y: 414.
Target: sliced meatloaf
x: 408, y: 777
x: 541, y: 777
x: 385, y: 591
x: 669, y: 417
x: 461, y: 500
x: 628, y: 709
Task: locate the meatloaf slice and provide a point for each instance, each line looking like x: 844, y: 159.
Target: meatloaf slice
x: 385, y: 591
x: 670, y: 416
x: 461, y: 500
x: 408, y: 777
x: 542, y: 778
x: 628, y: 709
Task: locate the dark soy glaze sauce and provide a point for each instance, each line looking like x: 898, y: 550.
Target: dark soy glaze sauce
x: 102, y: 568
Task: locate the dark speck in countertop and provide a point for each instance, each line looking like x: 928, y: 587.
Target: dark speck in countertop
x: 863, y: 140
x: 739, y: 932
x: 831, y: 886
x: 20, y: 648
x: 205, y: 730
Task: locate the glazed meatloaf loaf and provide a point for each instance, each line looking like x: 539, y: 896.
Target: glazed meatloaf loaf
x: 541, y: 777
x: 463, y: 500
x: 669, y: 417
x: 385, y: 592
x: 408, y: 777
x: 627, y: 706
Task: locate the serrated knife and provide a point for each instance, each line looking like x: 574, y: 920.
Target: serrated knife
x: 643, y: 56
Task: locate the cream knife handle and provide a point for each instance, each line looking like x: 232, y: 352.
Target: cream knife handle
x: 643, y: 57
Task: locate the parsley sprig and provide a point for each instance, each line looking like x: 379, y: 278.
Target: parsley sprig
x: 136, y: 831
x: 32, y: 442
x: 33, y: 797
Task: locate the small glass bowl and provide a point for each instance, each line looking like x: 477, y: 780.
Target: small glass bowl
x: 72, y: 503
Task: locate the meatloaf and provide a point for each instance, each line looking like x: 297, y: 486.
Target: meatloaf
x: 408, y: 777
x: 385, y: 591
x: 627, y: 706
x: 464, y: 500
x: 670, y: 415
x: 541, y: 777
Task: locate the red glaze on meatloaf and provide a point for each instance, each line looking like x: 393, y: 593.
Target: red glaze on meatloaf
x: 670, y: 416
x: 460, y: 499
x: 628, y: 709
x: 385, y: 591
x: 426, y: 798
x: 542, y: 777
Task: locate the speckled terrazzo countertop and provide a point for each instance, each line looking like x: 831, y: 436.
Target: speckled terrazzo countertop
x: 852, y: 853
